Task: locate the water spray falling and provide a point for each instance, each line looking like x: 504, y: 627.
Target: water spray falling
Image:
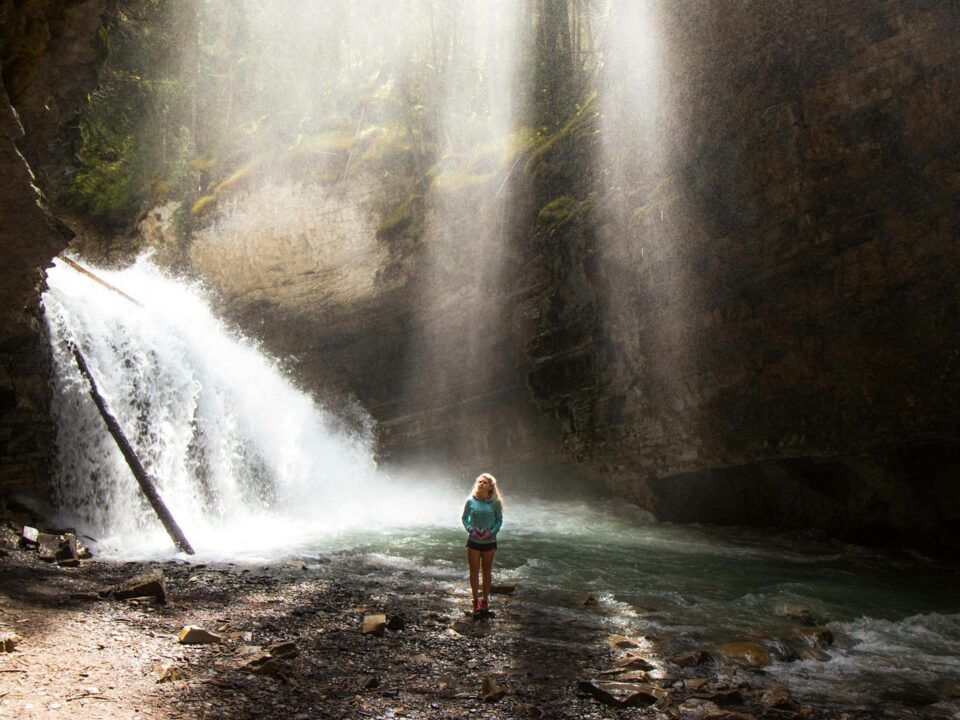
x: 243, y: 458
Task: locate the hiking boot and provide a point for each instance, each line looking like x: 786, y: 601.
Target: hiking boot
x: 483, y: 605
x: 476, y: 606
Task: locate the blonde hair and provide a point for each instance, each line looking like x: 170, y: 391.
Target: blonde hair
x: 494, y: 488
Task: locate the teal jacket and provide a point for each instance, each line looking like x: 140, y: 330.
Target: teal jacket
x: 480, y: 516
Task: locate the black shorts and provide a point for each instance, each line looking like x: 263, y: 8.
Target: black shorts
x: 482, y: 547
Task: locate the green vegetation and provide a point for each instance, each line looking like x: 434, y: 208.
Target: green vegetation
x: 200, y: 99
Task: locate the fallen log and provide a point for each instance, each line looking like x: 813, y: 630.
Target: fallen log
x: 83, y: 271
x: 140, y: 473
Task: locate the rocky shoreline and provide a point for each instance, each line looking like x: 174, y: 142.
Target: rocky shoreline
x: 300, y: 639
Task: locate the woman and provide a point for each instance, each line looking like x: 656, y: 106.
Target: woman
x: 482, y: 518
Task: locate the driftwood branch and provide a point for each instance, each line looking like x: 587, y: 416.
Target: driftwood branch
x: 146, y: 482
x: 82, y: 270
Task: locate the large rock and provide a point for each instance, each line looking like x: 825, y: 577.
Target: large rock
x: 195, y: 635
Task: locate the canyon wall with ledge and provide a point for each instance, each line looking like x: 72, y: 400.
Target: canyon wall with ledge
x: 49, y: 56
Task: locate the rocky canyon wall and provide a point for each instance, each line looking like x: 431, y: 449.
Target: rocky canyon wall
x: 49, y: 57
x: 757, y: 323
x: 739, y: 309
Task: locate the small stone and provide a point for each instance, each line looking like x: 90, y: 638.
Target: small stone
x: 48, y: 546
x: 797, y: 613
x: 694, y: 658
x: 30, y: 535
x: 148, y: 584
x: 8, y: 641
x: 491, y: 690
x: 529, y: 711
x: 374, y: 624
x: 694, y: 683
x: 285, y: 649
x: 394, y: 623
x: 67, y: 555
x: 817, y: 637
x: 241, y: 635
x: 167, y: 672
x: 263, y: 664
x: 589, y: 601
x: 747, y: 654
x: 619, y: 642
x: 631, y: 661
x: 776, y: 698
x: 193, y: 635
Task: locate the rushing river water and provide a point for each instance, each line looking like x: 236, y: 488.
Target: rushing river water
x: 257, y: 471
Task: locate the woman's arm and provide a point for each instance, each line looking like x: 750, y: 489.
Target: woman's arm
x: 465, y: 518
x: 497, y: 518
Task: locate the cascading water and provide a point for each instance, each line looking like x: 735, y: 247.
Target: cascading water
x: 246, y: 462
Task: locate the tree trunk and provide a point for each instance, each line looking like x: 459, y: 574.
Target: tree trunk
x: 146, y: 482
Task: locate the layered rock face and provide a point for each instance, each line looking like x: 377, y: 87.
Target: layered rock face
x: 49, y: 58
x: 762, y: 326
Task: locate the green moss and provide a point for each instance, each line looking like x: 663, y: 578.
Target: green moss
x: 401, y: 220
x: 657, y: 200
x: 200, y: 205
x: 237, y: 178
x: 580, y: 125
x: 558, y: 211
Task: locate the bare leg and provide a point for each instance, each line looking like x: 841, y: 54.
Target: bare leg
x: 473, y: 558
x: 487, y: 560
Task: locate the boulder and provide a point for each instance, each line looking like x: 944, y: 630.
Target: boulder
x: 747, y: 654
x: 147, y: 584
x: 193, y: 635
x: 502, y: 589
x: 374, y: 624
x: 533, y: 712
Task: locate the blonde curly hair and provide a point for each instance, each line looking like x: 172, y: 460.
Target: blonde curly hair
x: 494, y: 487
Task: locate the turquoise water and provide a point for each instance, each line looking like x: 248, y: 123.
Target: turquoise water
x: 895, y: 618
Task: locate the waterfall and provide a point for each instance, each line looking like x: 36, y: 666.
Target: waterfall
x: 247, y: 462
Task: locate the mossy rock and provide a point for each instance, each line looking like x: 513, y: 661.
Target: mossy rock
x: 580, y: 126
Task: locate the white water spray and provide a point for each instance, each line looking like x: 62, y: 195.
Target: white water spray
x: 249, y: 465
